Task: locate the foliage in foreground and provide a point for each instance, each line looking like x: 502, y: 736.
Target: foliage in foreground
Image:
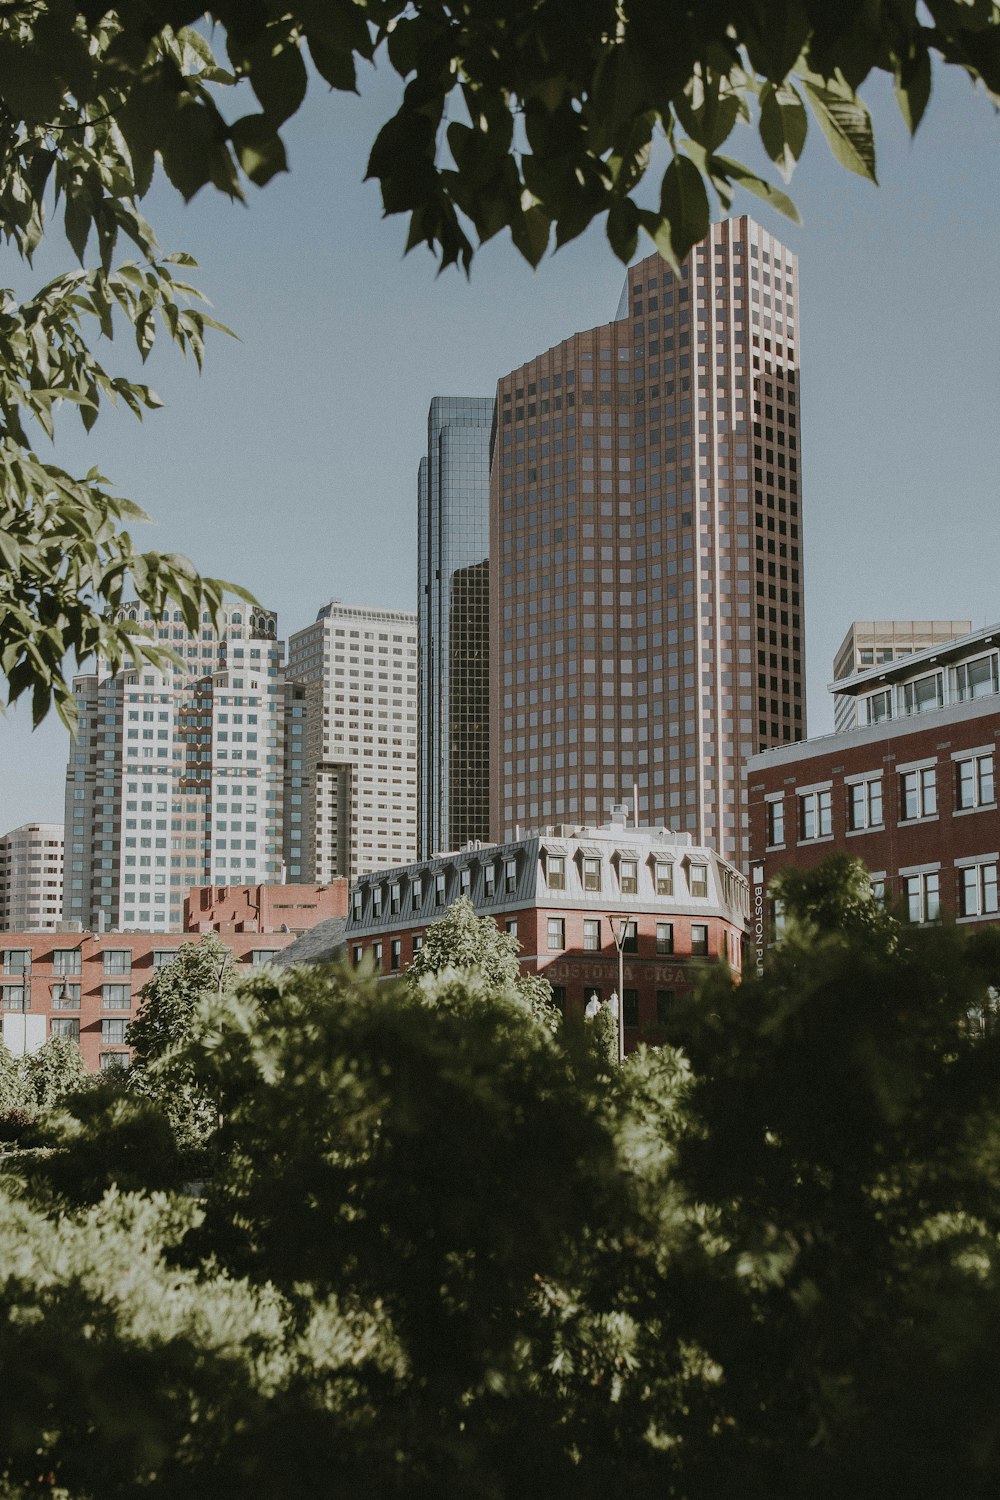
x: 443, y: 1250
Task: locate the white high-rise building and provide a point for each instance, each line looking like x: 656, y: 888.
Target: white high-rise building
x: 176, y: 776
x: 31, y: 877
x: 359, y: 667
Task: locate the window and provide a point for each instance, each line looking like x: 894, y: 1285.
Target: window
x: 117, y: 997
x: 17, y: 960
x: 923, y: 896
x: 263, y: 956
x: 592, y: 934
x: 630, y: 942
x: 65, y: 996
x: 490, y: 880
x: 395, y: 898
x: 439, y: 890
x: 878, y: 707
x: 163, y: 956
x: 118, y: 961
x: 699, y: 940
x: 113, y: 1060
x: 815, y: 814
x: 15, y: 997
x: 977, y: 890
x: 356, y: 901
x: 510, y: 927
x: 359, y: 953
x: 628, y: 877
x: 664, y: 937
x: 67, y: 961
x: 418, y: 943
x: 864, y: 804
x: 465, y: 881
x: 417, y: 892
x: 395, y: 953
x: 555, y: 872
x: 922, y: 694
x: 976, y: 679
x: 377, y: 954
x: 557, y: 934
x: 878, y: 889
x: 376, y: 901
x: 591, y: 873
x: 67, y: 1026
x: 559, y: 998
x: 630, y: 1007
x: 510, y: 875
x: 698, y: 879
x: 776, y: 821
x: 664, y: 1006
x: 918, y: 793
x: 113, y: 1032
x: 664, y: 877
x: 974, y: 781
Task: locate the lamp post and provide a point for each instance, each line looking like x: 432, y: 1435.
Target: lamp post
x: 619, y: 931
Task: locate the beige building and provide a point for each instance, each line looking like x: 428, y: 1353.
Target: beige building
x: 646, y: 598
x: 31, y: 877
x: 872, y: 643
x: 359, y: 670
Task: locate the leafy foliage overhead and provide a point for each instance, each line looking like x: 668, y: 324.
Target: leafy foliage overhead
x: 531, y: 119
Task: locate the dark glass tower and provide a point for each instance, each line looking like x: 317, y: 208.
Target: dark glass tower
x: 453, y: 624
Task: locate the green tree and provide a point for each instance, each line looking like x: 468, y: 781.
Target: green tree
x: 166, y: 1019
x: 56, y: 1070
x: 13, y: 1094
x: 461, y: 940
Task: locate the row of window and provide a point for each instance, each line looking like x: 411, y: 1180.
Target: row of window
x: 968, y: 680
x: 69, y: 961
x: 594, y: 939
x: 974, y: 787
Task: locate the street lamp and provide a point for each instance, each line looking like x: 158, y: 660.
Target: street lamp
x: 619, y: 930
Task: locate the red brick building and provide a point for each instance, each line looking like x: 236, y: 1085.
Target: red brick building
x: 557, y: 892
x: 85, y: 985
x: 911, y: 791
x: 263, y: 908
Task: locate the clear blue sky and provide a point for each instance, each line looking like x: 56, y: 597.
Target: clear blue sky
x: 290, y: 464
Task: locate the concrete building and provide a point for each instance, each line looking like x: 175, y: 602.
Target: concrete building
x: 453, y: 538
x: 911, y: 790
x: 557, y: 892
x: 176, y: 776
x: 359, y: 670
x: 646, y: 597
x: 31, y: 877
x: 870, y: 643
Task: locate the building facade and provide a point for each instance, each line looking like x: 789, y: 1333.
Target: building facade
x: 453, y: 526
x: 176, y: 776
x: 85, y: 986
x: 557, y: 893
x: 911, y: 791
x: 263, y: 908
x: 359, y: 794
x: 31, y: 877
x: 870, y: 643
x: 646, y: 596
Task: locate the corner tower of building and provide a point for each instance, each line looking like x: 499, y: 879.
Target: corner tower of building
x: 646, y: 595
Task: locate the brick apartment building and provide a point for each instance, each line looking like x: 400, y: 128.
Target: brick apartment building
x: 911, y: 791
x: 85, y: 985
x: 557, y: 892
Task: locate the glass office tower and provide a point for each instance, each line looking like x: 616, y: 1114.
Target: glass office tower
x: 453, y: 624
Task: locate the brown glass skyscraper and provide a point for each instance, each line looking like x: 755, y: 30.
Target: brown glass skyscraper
x: 645, y: 540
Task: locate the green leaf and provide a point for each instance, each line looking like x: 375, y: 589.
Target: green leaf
x: 734, y: 171
x: 259, y: 148
x: 783, y: 125
x: 913, y: 88
x: 847, y: 126
x: 684, y: 210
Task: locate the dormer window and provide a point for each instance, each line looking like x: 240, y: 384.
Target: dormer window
x: 555, y: 872
x: 663, y: 871
x: 490, y: 880
x: 878, y: 707
x: 356, y: 903
x: 417, y: 892
x: 923, y: 693
x: 698, y: 879
x: 628, y: 877
x: 591, y: 869
x: 377, y: 900
x: 510, y: 875
x: 440, y: 889
x: 465, y: 881
x: 395, y: 898
x: 976, y: 679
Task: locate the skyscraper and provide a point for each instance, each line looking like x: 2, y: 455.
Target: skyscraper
x: 175, y: 778
x: 871, y: 643
x: 453, y: 624
x: 646, y: 598
x: 359, y: 670
x: 31, y: 877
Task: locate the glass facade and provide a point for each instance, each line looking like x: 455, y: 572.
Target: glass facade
x: 453, y: 624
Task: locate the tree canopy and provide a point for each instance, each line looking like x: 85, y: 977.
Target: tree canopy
x: 517, y: 118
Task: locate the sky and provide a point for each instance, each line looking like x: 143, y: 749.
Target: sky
x: 289, y: 464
